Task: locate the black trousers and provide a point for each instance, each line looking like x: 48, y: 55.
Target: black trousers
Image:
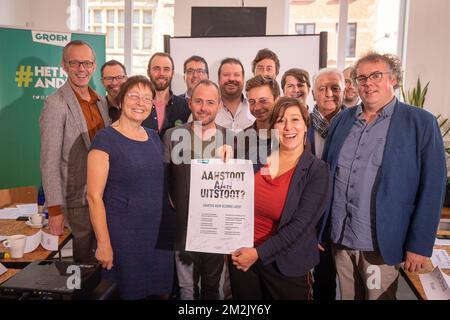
x: 324, y: 288
x: 266, y: 282
x: 208, y: 269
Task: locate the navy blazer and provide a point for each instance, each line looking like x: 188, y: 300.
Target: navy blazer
x: 294, y: 247
x: 409, y: 189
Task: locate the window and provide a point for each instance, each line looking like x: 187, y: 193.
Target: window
x: 121, y: 38
x: 121, y: 16
x: 147, y: 38
x: 110, y: 37
x: 350, y: 45
x: 136, y: 15
x: 97, y: 16
x: 109, y: 16
x: 135, y: 35
x: 148, y: 19
x: 373, y: 24
x: 305, y: 28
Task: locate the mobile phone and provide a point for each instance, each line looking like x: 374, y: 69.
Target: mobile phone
x: 443, y: 236
x: 22, y: 218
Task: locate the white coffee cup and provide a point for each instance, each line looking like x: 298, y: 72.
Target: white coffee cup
x: 16, y: 245
x: 36, y: 219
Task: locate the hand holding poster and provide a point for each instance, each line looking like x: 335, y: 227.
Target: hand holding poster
x: 221, y: 202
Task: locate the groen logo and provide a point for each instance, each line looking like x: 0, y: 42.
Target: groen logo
x: 52, y: 38
x: 41, y: 76
x: 178, y: 123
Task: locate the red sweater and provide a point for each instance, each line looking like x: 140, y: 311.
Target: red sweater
x: 270, y: 195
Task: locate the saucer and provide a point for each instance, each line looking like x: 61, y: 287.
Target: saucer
x: 36, y: 226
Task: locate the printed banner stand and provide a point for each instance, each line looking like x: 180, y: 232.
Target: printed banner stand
x: 30, y: 70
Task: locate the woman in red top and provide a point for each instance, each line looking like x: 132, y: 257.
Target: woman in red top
x: 291, y: 192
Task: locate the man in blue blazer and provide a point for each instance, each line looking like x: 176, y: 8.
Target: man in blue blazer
x: 388, y: 166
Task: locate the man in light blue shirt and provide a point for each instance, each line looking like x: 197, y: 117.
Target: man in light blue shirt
x: 388, y: 163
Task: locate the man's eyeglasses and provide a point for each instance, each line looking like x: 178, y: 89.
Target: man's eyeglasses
x: 117, y: 78
x: 148, y: 100
x: 200, y: 72
x: 375, y: 77
x: 87, y: 64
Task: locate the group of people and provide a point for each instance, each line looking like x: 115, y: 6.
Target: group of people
x: 355, y: 184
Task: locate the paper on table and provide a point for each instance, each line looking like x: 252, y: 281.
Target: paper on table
x: 9, y: 213
x: 440, y: 259
x: 442, y: 242
x: 48, y: 241
x: 436, y: 284
x: 2, y: 269
x: 27, y: 209
x: 33, y: 242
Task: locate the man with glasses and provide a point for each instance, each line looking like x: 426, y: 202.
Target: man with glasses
x: 69, y: 121
x: 168, y: 109
x: 388, y: 163
x: 114, y: 75
x: 195, y: 70
x: 351, y: 97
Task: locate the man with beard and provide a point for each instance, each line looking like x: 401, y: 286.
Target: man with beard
x: 235, y: 113
x: 351, y: 97
x: 114, y: 75
x: 195, y: 70
x: 168, y: 109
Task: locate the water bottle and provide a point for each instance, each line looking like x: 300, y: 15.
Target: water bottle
x: 41, y: 202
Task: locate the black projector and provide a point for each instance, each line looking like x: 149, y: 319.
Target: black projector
x: 52, y: 280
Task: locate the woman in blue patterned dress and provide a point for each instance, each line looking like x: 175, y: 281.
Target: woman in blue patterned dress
x: 127, y: 198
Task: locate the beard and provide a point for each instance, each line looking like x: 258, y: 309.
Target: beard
x: 233, y: 93
x: 160, y: 86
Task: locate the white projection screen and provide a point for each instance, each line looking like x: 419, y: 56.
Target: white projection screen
x: 308, y: 52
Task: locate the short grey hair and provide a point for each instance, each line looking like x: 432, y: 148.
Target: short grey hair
x: 329, y: 71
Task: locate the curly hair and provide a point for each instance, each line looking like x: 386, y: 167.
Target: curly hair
x: 393, y: 62
x: 266, y: 54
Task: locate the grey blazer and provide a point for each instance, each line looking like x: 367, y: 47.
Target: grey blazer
x: 64, y: 147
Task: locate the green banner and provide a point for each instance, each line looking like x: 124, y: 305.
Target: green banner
x: 30, y: 70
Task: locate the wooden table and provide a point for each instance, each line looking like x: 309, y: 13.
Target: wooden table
x: 445, y: 213
x: 412, y: 278
x: 8, y: 274
x: 11, y: 227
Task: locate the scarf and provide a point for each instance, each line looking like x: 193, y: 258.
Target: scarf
x: 319, y: 123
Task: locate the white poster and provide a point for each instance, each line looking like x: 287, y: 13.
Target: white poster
x: 221, y: 201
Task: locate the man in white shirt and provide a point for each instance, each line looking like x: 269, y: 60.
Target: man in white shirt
x: 234, y: 113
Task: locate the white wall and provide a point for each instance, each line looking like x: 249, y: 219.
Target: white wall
x: 428, y: 51
x: 277, y: 13
x: 15, y: 13
x: 36, y: 14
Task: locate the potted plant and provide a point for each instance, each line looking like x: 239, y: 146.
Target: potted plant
x: 416, y: 97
